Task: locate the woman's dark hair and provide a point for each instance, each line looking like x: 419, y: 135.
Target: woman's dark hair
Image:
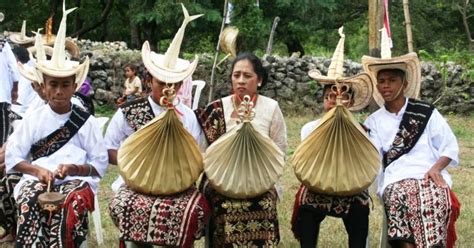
x: 256, y: 63
x: 22, y: 54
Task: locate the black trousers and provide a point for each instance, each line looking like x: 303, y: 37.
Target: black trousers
x: 356, y: 223
x: 4, y: 122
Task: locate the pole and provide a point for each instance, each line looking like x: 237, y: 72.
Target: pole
x: 406, y: 11
x: 373, y: 29
x: 213, y: 71
x: 270, y: 39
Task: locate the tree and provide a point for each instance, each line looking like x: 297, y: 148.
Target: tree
x: 464, y: 10
x: 106, y: 7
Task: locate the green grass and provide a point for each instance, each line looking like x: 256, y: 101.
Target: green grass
x: 332, y: 230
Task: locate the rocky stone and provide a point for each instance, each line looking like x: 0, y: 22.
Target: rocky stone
x: 286, y: 93
x: 290, y: 83
x: 269, y: 93
x: 302, y: 88
x: 100, y: 74
x: 288, y: 79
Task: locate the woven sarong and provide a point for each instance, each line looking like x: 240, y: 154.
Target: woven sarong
x: 175, y: 220
x: 243, y: 222
x: 418, y: 212
x: 7, y: 201
x: 68, y: 226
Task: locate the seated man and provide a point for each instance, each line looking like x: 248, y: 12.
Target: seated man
x: 58, y: 148
x: 143, y: 217
x: 417, y: 145
x: 312, y: 206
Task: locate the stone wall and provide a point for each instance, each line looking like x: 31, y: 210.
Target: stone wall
x: 447, y: 87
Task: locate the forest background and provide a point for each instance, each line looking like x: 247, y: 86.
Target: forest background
x: 440, y: 30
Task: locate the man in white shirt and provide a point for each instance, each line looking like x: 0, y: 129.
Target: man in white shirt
x: 59, y: 147
x: 26, y: 94
x: 417, y: 145
x: 8, y: 87
x: 144, y: 217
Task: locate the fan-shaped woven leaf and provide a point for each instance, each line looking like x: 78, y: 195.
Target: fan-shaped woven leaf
x: 337, y: 158
x: 161, y: 158
x: 243, y: 163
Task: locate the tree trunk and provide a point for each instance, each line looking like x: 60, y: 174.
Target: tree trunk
x: 134, y: 37
x: 373, y: 29
x: 406, y: 11
x: 465, y: 17
x: 272, y: 33
x: 105, y: 30
x: 103, y: 17
x: 135, y: 41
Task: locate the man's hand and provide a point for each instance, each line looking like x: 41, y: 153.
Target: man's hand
x: 44, y: 175
x: 65, y: 170
x: 435, y: 174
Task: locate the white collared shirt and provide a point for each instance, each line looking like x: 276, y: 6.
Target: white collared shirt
x: 26, y: 94
x: 85, y: 147
x: 436, y: 141
x: 8, y: 73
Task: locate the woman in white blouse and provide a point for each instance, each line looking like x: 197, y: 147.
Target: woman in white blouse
x: 249, y: 222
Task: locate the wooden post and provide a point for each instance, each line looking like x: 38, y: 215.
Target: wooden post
x: 270, y: 39
x: 373, y: 29
x: 213, y: 70
x: 406, y: 11
x: 465, y: 18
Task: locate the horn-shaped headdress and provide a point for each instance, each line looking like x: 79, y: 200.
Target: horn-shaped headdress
x: 168, y: 68
x: 408, y: 63
x: 59, y: 65
x: 21, y: 38
x: 361, y: 84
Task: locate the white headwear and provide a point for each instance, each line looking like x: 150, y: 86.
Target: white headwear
x: 409, y: 63
x: 21, y: 38
x: 168, y: 68
x: 361, y: 83
x: 59, y: 65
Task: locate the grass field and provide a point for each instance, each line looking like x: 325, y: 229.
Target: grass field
x: 332, y: 230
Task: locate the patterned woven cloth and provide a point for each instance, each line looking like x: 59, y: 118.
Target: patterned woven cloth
x: 175, y: 220
x: 418, y: 212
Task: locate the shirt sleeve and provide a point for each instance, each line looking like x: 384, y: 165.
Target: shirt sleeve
x: 443, y: 141
x: 117, y: 131
x: 308, y: 128
x: 12, y: 64
x: 278, y: 130
x: 373, y: 135
x: 18, y: 145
